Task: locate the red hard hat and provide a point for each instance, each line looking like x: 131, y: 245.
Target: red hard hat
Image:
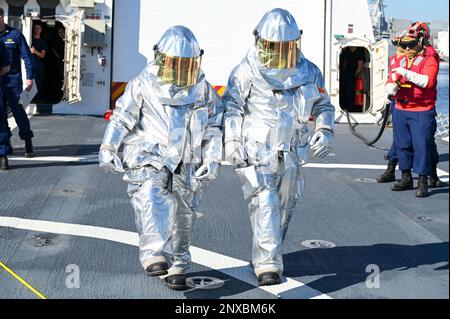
x: 419, y: 29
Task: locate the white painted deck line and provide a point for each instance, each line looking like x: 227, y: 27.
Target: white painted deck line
x: 241, y: 270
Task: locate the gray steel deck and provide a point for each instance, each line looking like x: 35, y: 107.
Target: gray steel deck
x: 369, y: 224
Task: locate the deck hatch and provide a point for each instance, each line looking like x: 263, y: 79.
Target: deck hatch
x: 43, y: 240
x: 203, y: 282
x: 317, y: 243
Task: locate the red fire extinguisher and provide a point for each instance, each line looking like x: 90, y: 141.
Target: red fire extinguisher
x: 359, y: 92
x: 107, y: 115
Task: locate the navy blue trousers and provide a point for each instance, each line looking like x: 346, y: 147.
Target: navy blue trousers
x: 414, y: 139
x: 4, y: 133
x: 11, y: 97
x: 392, y: 154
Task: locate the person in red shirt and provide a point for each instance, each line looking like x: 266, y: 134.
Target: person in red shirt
x: 389, y: 175
x: 413, y: 82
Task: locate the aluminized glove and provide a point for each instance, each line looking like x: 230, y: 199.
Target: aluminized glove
x: 235, y: 153
x: 208, y: 171
x: 391, y: 89
x: 109, y: 161
x: 420, y: 80
x: 321, y: 143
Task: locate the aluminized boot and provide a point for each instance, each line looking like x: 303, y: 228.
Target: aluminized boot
x: 176, y: 282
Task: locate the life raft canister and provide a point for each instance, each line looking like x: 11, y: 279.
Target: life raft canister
x: 359, y: 92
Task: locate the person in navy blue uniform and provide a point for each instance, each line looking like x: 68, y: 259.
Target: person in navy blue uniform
x: 12, y: 85
x: 4, y: 134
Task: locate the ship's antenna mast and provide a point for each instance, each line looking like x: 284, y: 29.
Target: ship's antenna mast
x: 378, y: 16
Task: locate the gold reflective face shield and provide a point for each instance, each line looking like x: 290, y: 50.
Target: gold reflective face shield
x: 177, y: 70
x: 278, y: 54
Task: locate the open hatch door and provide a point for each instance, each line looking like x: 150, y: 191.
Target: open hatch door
x: 379, y: 74
x: 72, y: 58
x: 27, y: 28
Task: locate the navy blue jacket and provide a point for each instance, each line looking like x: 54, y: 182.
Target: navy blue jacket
x: 4, y: 61
x: 18, y: 49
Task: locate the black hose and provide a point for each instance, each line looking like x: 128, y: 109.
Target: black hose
x: 380, y: 133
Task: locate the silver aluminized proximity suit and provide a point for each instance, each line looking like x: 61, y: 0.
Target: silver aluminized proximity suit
x: 172, y: 138
x: 267, y: 110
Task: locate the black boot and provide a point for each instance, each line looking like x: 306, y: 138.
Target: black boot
x: 434, y: 181
x: 422, y: 187
x: 268, y: 279
x: 176, y: 282
x: 405, y: 184
x: 389, y: 175
x: 4, y: 163
x: 157, y: 269
x: 29, y: 152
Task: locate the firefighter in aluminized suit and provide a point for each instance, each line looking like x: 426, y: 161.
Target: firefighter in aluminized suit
x: 170, y: 122
x: 269, y: 99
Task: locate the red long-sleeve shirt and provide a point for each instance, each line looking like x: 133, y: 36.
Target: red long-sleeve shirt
x: 411, y: 97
